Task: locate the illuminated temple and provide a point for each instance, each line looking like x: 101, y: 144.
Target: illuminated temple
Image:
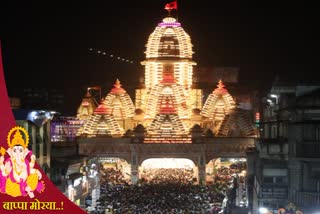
x: 168, y: 106
x: 174, y: 118
x: 170, y: 117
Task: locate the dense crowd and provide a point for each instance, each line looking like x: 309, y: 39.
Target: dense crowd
x: 171, y: 176
x: 165, y: 191
x: 112, y: 176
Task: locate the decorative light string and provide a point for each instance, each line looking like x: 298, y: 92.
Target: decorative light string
x: 110, y: 56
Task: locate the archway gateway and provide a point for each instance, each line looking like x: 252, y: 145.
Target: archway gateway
x: 135, y: 153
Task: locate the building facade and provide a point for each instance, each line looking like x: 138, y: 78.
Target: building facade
x: 286, y: 171
x: 37, y: 123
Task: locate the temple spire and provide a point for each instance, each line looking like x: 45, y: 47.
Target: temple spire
x: 117, y: 88
x: 220, y: 88
x: 117, y: 84
x: 220, y: 84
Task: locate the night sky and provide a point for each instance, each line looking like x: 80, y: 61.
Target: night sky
x: 47, y: 44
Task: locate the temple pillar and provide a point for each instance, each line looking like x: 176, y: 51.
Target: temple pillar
x: 134, y: 169
x: 202, y: 170
x: 202, y: 175
x: 196, y: 173
x: 134, y: 174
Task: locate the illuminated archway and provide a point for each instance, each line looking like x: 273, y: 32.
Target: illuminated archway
x: 168, y: 163
x: 168, y: 170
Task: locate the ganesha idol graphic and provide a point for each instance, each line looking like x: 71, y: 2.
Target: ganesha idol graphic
x: 18, y: 176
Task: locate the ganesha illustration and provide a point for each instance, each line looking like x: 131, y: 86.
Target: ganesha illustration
x: 18, y: 176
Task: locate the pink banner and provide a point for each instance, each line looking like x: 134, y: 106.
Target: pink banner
x: 49, y: 199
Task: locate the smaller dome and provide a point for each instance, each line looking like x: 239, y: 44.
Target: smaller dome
x: 87, y: 107
x: 218, y: 104
x: 119, y: 102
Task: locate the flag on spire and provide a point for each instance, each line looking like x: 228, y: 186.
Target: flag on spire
x: 172, y: 5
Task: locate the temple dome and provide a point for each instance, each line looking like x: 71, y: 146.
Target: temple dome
x: 101, y: 123
x: 87, y: 107
x: 169, y: 40
x: 218, y: 104
x: 169, y: 50
x: 119, y: 103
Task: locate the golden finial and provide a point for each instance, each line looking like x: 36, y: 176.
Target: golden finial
x: 117, y: 88
x: 17, y: 138
x: 117, y: 84
x: 220, y: 84
x: 220, y: 88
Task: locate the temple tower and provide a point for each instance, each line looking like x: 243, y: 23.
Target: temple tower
x: 168, y: 72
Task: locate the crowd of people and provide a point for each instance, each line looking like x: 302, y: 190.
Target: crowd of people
x: 168, y: 175
x: 162, y: 191
x: 112, y: 176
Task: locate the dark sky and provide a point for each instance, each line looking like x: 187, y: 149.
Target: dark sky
x: 46, y: 44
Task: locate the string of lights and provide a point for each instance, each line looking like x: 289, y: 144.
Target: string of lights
x: 110, y: 56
